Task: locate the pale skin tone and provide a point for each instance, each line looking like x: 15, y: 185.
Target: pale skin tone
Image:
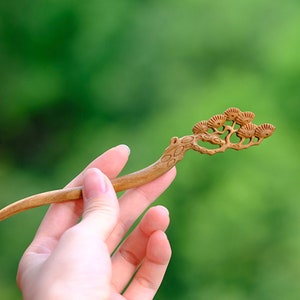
x: 74, y: 259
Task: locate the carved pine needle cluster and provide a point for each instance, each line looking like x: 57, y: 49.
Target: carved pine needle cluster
x: 233, y: 129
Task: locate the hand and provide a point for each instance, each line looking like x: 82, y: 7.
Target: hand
x: 72, y: 259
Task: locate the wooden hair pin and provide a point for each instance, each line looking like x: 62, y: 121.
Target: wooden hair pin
x: 231, y: 130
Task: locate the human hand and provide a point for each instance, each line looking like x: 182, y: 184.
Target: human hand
x: 81, y: 260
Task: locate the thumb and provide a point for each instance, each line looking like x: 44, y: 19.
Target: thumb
x: 101, y: 207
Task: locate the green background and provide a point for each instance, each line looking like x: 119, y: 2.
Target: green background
x: 79, y: 77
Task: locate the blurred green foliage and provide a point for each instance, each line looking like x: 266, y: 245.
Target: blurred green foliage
x: 80, y: 77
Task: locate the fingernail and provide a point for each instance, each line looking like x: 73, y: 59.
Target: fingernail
x: 125, y: 147
x: 95, y: 183
x: 163, y: 209
x: 102, y: 183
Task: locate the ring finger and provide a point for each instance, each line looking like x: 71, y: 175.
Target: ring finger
x: 131, y: 253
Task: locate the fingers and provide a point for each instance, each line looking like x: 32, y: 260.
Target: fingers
x: 101, y: 205
x: 150, y: 275
x: 134, y: 202
x: 62, y: 216
x: 110, y: 163
x: 129, y: 256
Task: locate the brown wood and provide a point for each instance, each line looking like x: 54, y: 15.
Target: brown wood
x: 231, y: 130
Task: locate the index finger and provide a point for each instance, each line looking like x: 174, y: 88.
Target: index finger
x: 62, y: 216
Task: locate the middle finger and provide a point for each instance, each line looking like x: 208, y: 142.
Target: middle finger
x: 134, y: 202
x: 127, y: 259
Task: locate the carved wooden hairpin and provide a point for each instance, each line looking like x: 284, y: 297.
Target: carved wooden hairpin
x: 232, y: 129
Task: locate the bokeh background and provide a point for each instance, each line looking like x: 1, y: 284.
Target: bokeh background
x: 79, y: 77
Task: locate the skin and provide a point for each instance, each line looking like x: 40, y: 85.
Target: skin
x: 71, y: 258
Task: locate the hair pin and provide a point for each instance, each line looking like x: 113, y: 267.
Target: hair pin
x: 231, y: 130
